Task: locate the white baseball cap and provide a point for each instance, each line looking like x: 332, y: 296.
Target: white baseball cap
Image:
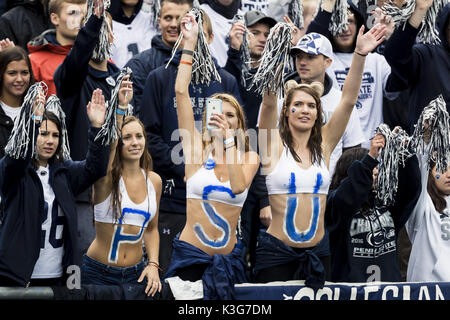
x: 314, y: 43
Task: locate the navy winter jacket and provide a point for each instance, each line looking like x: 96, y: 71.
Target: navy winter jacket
x: 159, y: 116
x: 75, y: 80
x: 424, y: 69
x: 145, y: 62
x: 23, y: 206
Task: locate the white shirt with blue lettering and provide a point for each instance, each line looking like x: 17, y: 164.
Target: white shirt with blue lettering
x: 49, y: 263
x: 429, y: 232
x: 370, y: 100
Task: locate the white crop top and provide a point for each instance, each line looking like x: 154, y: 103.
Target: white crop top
x: 205, y: 185
x: 132, y: 214
x: 288, y: 178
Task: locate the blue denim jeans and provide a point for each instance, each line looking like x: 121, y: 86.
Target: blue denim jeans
x: 94, y: 272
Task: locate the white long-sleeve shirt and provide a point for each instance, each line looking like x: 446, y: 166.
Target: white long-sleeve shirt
x: 429, y: 232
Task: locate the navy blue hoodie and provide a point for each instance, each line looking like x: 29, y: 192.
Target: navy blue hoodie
x: 75, y: 80
x: 423, y: 68
x: 23, y: 206
x: 159, y: 116
x: 145, y: 62
x: 363, y: 236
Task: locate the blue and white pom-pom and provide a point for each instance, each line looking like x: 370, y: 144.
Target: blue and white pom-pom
x: 203, y: 68
x: 274, y: 60
x: 295, y: 13
x: 103, y: 48
x: 394, y: 152
x: 428, y: 32
x: 339, y: 18
x: 109, y: 131
x: 19, y: 139
x: 244, y: 52
x: 436, y: 117
x: 53, y: 105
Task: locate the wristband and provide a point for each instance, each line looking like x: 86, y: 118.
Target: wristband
x: 154, y: 264
x: 120, y: 111
x: 228, y: 141
x: 189, y: 52
x: 362, y: 55
x: 39, y: 118
x: 186, y: 62
x: 123, y: 107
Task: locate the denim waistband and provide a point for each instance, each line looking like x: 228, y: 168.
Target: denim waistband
x: 112, y: 269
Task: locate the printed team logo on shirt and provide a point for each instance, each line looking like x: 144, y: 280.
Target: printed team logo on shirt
x: 372, y: 233
x: 445, y: 227
x: 367, y: 83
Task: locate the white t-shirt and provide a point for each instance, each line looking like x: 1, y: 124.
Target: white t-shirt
x: 260, y: 5
x: 49, y: 263
x: 221, y: 28
x: 131, y: 39
x: 10, y: 111
x: 429, y: 232
x: 370, y: 100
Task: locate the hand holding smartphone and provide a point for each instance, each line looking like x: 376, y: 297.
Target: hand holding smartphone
x: 212, y: 106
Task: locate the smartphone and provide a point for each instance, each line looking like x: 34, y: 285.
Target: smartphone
x: 212, y: 106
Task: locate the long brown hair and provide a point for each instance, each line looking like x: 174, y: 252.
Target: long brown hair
x: 315, y: 90
x: 145, y: 163
x: 436, y: 196
x: 241, y: 140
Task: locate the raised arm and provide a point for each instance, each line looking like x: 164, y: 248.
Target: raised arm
x: 269, y: 141
x: 335, y: 128
x: 191, y: 138
x: 103, y: 186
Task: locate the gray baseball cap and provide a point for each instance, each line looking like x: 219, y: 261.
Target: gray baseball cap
x: 254, y: 16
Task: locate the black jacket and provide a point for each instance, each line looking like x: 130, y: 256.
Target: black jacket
x: 75, y: 80
x: 363, y: 236
x: 24, y: 21
x: 6, y: 126
x: 23, y: 206
x: 423, y: 69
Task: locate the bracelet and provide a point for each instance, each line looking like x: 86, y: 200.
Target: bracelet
x: 186, y: 62
x: 154, y: 264
x: 189, y: 52
x: 228, y: 147
x: 39, y: 118
x: 120, y: 111
x: 123, y: 107
x: 228, y: 141
x: 362, y: 55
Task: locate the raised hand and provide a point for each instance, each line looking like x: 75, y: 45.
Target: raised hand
x: 385, y: 20
x: 296, y: 33
x: 189, y: 28
x: 5, y: 44
x: 365, y: 43
x: 223, y: 126
x: 376, y: 144
x: 96, y: 109
x: 99, y: 8
x: 39, y: 103
x: 237, y: 35
x: 125, y: 91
